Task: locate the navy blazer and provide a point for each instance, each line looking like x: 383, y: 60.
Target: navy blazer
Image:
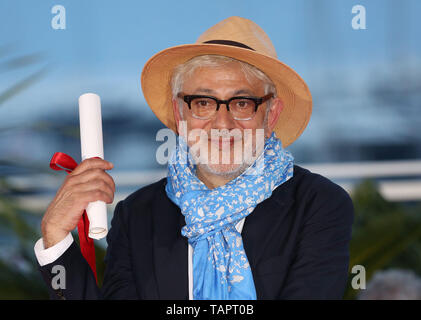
x: 296, y: 241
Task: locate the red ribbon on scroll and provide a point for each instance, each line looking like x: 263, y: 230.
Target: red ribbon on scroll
x: 62, y: 161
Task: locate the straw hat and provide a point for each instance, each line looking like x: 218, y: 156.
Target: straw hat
x: 244, y: 40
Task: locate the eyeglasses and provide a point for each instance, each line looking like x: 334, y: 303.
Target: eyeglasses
x: 241, y: 108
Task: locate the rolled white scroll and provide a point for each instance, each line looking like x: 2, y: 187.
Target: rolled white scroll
x: 92, y: 146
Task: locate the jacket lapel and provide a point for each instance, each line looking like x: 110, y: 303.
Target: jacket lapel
x: 266, y: 220
x: 170, y: 249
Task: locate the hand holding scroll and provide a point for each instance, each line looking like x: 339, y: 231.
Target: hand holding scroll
x: 87, y: 183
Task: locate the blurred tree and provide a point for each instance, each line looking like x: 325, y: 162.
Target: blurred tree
x: 19, y: 274
x: 385, y: 234
x: 17, y: 62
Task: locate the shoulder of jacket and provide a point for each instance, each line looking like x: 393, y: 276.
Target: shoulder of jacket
x: 323, y: 199
x: 146, y: 193
x: 143, y: 196
x: 307, y: 183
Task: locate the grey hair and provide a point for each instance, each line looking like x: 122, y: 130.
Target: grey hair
x: 183, y: 71
x: 393, y: 284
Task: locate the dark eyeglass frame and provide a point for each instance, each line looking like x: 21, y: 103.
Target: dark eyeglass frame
x: 257, y: 100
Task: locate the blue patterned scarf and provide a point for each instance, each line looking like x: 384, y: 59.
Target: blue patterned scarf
x: 221, y: 270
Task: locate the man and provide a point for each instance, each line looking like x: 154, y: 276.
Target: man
x: 224, y: 224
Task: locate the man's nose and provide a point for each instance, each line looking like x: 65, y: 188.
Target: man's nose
x: 223, y: 119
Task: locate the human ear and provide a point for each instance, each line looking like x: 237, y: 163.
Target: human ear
x: 177, y: 116
x: 274, y: 113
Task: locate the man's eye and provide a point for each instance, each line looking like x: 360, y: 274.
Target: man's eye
x: 242, y: 104
x: 202, y: 103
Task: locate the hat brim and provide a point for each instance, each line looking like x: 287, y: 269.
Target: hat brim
x: 291, y: 88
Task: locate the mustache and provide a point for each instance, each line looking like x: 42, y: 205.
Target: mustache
x: 225, y: 135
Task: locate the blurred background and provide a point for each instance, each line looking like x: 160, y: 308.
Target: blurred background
x: 364, y: 134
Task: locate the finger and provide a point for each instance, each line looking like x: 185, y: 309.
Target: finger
x: 89, y: 175
x: 91, y: 196
x: 96, y: 184
x: 92, y: 163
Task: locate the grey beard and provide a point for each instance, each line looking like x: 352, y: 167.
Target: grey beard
x: 235, y: 171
